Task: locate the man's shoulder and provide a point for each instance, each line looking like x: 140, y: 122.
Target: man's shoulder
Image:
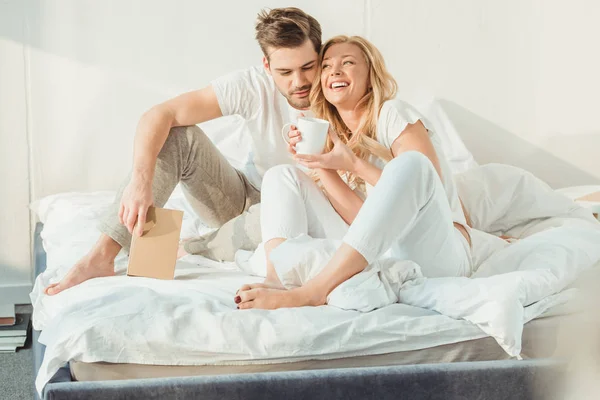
x: 247, y: 92
x: 255, y: 76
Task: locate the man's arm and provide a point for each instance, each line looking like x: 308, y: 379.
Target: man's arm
x: 153, y: 128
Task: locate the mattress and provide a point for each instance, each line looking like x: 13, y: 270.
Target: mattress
x: 539, y: 341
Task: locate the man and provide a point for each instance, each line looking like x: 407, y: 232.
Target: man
x: 169, y: 148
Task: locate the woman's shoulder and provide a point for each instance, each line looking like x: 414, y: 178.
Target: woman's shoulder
x: 396, y: 114
x: 399, y: 107
x: 394, y: 117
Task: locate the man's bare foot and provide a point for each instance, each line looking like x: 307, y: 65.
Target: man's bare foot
x: 99, y: 262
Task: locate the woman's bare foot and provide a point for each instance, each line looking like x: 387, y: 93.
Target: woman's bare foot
x: 99, y: 262
x: 271, y: 281
x: 271, y: 299
x: 267, y: 284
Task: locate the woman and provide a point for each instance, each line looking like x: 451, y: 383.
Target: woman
x: 386, y: 187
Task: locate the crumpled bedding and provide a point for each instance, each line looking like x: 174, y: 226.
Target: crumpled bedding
x: 193, y: 320
x: 555, y: 240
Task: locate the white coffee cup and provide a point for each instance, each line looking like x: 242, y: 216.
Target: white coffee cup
x: 313, y: 132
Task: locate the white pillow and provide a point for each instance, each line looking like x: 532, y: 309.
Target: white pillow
x: 73, y: 217
x: 499, y: 198
x: 459, y: 157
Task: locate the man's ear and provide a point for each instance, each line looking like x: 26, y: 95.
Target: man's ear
x: 266, y: 65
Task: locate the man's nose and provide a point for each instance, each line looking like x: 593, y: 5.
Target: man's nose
x: 300, y: 80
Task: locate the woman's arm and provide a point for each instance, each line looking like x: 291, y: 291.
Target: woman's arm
x: 413, y: 138
x: 367, y: 172
x: 342, y: 198
x: 416, y: 138
x: 347, y: 262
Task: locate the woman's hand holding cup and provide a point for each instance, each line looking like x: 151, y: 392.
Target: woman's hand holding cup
x: 339, y: 158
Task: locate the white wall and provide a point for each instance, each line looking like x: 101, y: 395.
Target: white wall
x: 15, y: 261
x: 97, y: 65
x: 519, y: 77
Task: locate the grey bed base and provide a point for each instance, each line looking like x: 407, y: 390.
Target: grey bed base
x: 489, y: 380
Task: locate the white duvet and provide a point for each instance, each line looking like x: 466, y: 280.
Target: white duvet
x: 193, y: 320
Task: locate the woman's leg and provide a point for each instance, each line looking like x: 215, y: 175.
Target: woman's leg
x: 292, y: 204
x: 407, y: 216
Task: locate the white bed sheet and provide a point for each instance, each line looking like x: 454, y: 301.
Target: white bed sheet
x: 193, y: 319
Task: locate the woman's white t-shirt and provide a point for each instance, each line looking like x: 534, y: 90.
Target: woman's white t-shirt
x: 393, y: 119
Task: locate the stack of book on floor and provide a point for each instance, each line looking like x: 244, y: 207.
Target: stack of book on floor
x: 13, y: 330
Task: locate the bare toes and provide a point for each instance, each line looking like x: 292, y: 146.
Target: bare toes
x: 244, y: 287
x: 50, y: 288
x: 246, y: 305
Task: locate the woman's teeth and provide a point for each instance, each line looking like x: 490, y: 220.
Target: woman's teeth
x: 336, y: 85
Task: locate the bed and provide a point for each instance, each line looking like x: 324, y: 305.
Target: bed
x: 105, y: 350
x: 498, y: 346
x: 438, y: 372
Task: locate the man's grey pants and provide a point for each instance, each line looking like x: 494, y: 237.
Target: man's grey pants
x: 215, y: 190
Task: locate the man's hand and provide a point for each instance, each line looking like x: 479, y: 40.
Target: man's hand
x: 294, y: 136
x: 137, y: 198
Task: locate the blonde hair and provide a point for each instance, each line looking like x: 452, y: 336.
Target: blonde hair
x: 363, y: 142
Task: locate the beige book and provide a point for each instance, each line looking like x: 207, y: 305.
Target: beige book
x: 153, y: 255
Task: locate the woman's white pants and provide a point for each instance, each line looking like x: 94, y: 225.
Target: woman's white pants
x: 406, y: 216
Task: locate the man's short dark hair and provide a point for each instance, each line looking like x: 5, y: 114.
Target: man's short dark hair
x: 286, y: 27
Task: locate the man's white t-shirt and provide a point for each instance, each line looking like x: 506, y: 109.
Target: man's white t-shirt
x: 393, y: 118
x: 252, y: 94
